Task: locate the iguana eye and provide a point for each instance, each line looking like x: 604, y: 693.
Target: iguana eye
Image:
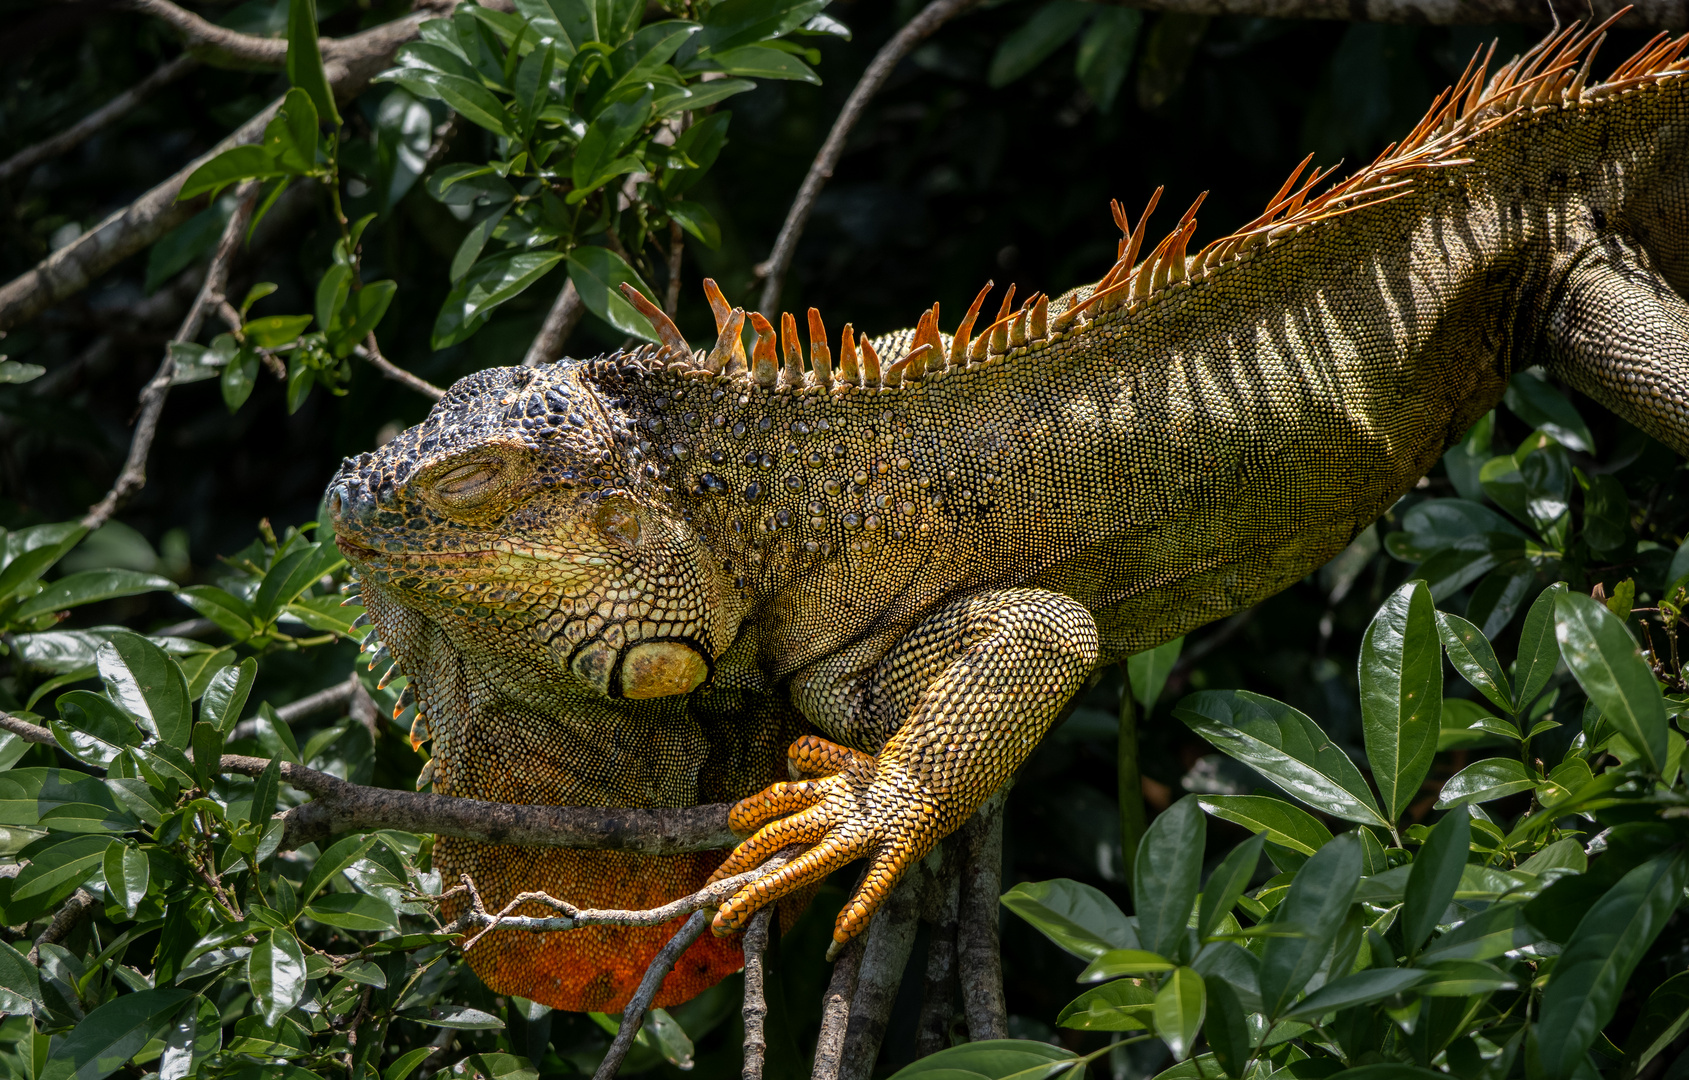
x: 468, y: 484
x: 618, y: 523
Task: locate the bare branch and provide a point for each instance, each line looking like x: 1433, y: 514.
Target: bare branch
x: 755, y: 1009
x: 885, y: 953
x: 134, y: 474
x: 560, y: 322
x: 938, y: 992
x: 371, y: 351
x: 339, y: 806
x: 116, y: 108
x: 73, y: 911
x: 350, y: 63
x: 835, y: 1011
x: 27, y: 731
x: 976, y: 930
x: 916, y: 30
x: 634, y: 1015
x: 1644, y: 14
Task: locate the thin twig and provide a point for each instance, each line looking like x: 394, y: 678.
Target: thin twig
x: 116, y: 108
x: 370, y: 350
x: 938, y: 991
x: 560, y: 322
x: 980, y: 964
x: 755, y: 1008
x: 342, y: 695
x: 634, y: 1015
x: 134, y: 474
x: 27, y: 731
x: 677, y: 247
x: 835, y: 1011
x: 916, y: 30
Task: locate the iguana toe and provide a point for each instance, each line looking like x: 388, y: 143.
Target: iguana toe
x: 815, y: 756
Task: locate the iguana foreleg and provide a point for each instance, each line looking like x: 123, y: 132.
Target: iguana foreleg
x: 966, y: 694
x: 1619, y: 333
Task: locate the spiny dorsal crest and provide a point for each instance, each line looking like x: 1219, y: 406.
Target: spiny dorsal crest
x: 1548, y: 76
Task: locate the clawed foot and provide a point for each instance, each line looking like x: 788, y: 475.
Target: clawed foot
x: 845, y: 810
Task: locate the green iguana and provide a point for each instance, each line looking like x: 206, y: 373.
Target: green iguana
x: 662, y: 577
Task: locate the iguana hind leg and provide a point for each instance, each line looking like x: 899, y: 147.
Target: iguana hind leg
x: 1619, y: 333
x: 967, y: 693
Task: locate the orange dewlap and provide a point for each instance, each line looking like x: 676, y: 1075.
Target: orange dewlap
x: 590, y: 968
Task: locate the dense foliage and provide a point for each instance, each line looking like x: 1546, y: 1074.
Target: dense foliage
x: 1475, y: 876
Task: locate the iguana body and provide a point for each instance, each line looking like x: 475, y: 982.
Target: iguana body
x: 925, y: 572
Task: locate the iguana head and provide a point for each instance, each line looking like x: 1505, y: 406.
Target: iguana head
x: 516, y: 517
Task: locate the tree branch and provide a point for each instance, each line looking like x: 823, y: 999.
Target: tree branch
x: 916, y: 30
x: 134, y: 474
x: 73, y: 911
x: 976, y: 931
x: 755, y: 1007
x: 351, y: 62
x: 1644, y: 14
x: 938, y: 991
x: 77, y: 133
x: 835, y: 1011
x: 560, y: 322
x: 885, y: 953
x: 634, y: 1015
x: 371, y: 352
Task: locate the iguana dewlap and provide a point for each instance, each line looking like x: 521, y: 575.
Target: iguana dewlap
x: 635, y: 580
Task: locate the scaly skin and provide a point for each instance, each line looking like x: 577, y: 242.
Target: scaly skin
x: 632, y: 581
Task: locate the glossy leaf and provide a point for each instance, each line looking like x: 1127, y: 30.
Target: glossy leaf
x: 1117, y: 962
x: 764, y: 62
x: 113, y: 1033
x: 231, y: 167
x: 598, y: 274
x: 1073, y: 915
x: 1316, y: 905
x: 1544, y: 408
x: 1663, y: 1019
x: 1434, y: 876
x: 1180, y: 1006
x: 143, y: 679
x: 1121, y: 1005
x: 1401, y: 679
x: 1589, y: 977
x: 1539, y: 650
x: 491, y: 283
x: 993, y: 1059
x: 353, y: 911
x: 90, y: 587
x: 305, y: 59
x: 1361, y: 988
x: 1605, y: 661
x: 1227, y: 1029
x: 1286, y: 825
x: 1226, y: 884
x: 127, y: 876
x: 275, y: 972
x: 1149, y: 670
x: 1485, y: 781
x: 1167, y: 875
x: 331, y: 862
x: 1470, y: 653
x: 226, y: 695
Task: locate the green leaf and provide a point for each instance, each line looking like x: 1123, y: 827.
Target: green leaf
x: 1539, y: 651
x: 1465, y: 724
x: 1485, y: 781
x: 1316, y: 905
x: 264, y: 788
x: 994, y: 1059
x: 1435, y: 875
x: 1283, y: 824
x: 763, y: 62
x: 1073, y: 915
x: 405, y: 1065
x: 186, y: 244
x: 305, y: 59
x: 1105, y: 54
x: 468, y: 97
x: 353, y: 911
x: 275, y: 972
x: 1149, y: 670
x: 291, y: 576
x: 230, y: 167
x: 700, y: 96
x: 291, y: 135
x: 232, y: 614
x: 1180, y: 1006
x: 54, y: 874
x: 1121, y: 1005
x: 1493, y: 932
x: 475, y: 240
x: 457, y: 1017
x: 112, y: 1034
x: 272, y: 331
x: 597, y: 158
x: 332, y: 290
x: 1589, y: 977
x: 1049, y: 28
x: 1663, y: 1019
x: 733, y: 23
x: 1471, y: 654
x: 1361, y: 988
x: 1167, y: 875
x: 1390, y: 1070
x: 1117, y: 962
x: 1606, y: 513
x: 701, y: 144
x: 695, y: 219
x: 597, y: 272
x: 226, y: 695
x: 491, y: 283
x: 1227, y: 883
x: 1464, y: 979
x: 1286, y: 747
x: 29, y: 553
x: 1227, y: 1029
x: 127, y: 875
x: 358, y: 319
x: 90, y: 587
x: 145, y: 681
x: 240, y: 376
x: 20, y: 981
x: 337, y: 858
x: 1606, y: 663
x: 1401, y: 678
x: 1546, y: 409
